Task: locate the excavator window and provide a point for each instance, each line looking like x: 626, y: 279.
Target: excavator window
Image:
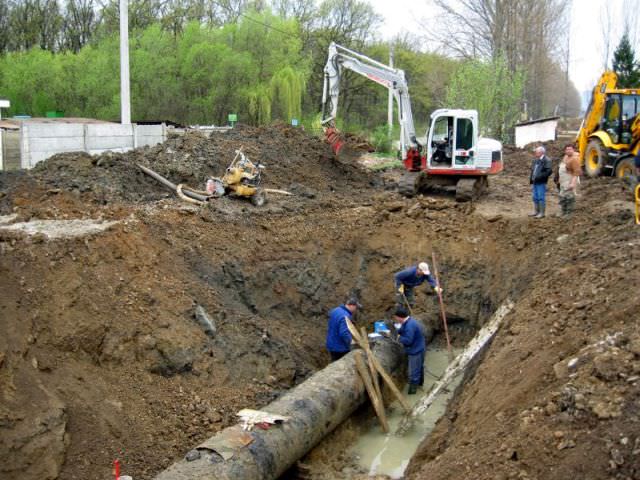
x: 612, y: 121
x: 442, y: 141
x: 464, y: 140
x: 630, y: 108
x: 464, y: 134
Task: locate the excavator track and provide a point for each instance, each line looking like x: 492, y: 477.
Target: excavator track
x: 468, y: 189
x: 407, y: 184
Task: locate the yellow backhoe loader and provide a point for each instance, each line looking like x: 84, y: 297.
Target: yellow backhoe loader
x: 609, y: 137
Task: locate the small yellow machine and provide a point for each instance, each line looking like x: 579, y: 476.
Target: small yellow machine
x: 609, y: 137
x: 242, y: 179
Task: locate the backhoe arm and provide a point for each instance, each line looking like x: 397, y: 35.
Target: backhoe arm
x: 339, y: 58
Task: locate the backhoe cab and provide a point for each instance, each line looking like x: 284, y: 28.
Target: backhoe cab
x: 450, y: 154
x: 609, y: 137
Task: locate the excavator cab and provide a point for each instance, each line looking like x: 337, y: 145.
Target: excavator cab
x: 452, y: 139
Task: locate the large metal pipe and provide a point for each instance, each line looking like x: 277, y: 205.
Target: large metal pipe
x: 315, y: 408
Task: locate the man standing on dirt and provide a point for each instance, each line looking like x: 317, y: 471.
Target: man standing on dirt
x: 540, y: 173
x: 406, y: 280
x: 338, y: 335
x: 567, y: 180
x: 410, y: 335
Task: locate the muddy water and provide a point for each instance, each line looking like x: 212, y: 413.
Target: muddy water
x: 381, y: 454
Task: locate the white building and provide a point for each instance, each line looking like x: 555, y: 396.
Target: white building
x: 540, y: 130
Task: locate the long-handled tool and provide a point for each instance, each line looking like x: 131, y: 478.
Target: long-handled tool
x: 444, y: 316
x: 406, y: 302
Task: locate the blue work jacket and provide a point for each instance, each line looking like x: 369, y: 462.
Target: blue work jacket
x: 409, y: 278
x: 338, y: 335
x: 410, y: 335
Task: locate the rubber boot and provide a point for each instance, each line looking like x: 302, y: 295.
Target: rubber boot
x: 412, y: 389
x: 536, y: 208
x: 571, y: 203
x: 541, y: 208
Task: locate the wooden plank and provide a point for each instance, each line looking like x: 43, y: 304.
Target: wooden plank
x: 377, y: 402
x: 385, y: 376
x: 474, y: 347
x: 372, y: 368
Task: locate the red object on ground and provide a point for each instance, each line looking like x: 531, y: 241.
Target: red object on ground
x: 116, y: 468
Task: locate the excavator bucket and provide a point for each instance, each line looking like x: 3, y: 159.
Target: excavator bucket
x: 334, y: 138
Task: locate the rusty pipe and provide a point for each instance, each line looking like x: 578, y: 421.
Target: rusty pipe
x: 315, y: 408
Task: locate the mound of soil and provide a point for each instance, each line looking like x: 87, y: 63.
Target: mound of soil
x: 293, y: 159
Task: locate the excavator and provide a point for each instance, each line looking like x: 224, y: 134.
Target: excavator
x: 609, y: 137
x: 450, y: 154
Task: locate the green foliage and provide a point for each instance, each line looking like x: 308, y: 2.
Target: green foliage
x: 287, y: 88
x: 380, y: 139
x: 492, y: 90
x: 625, y: 64
x: 260, y: 105
x: 200, y: 76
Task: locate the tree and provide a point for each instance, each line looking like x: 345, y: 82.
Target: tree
x: 5, y: 32
x: 527, y: 33
x: 79, y: 23
x: 625, y: 65
x: 490, y: 88
x: 35, y: 23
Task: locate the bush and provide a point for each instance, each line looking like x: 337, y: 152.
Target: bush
x: 381, y: 140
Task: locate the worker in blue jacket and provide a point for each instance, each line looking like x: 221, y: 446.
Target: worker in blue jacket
x: 409, y: 278
x: 410, y: 335
x: 338, y: 335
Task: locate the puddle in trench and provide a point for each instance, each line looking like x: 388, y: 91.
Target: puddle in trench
x: 382, y: 454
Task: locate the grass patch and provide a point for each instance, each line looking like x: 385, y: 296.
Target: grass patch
x: 386, y: 163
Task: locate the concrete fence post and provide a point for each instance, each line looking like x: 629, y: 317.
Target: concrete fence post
x: 25, y: 158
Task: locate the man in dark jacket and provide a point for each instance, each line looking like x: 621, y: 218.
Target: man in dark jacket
x: 338, y: 335
x: 540, y: 172
x: 410, y: 335
x: 409, y: 278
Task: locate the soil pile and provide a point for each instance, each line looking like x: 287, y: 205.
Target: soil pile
x: 291, y: 157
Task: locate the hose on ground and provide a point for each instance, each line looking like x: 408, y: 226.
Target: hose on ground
x: 186, y: 194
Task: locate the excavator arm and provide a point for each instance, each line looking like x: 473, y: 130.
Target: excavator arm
x: 595, y: 111
x: 340, y: 58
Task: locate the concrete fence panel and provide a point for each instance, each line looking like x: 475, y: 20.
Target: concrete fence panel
x: 39, y: 141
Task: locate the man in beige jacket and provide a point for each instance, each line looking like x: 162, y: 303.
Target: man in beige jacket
x: 567, y: 179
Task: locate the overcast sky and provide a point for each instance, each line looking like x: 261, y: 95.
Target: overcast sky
x: 588, y: 19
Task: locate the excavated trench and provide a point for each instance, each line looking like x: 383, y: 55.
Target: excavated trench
x: 293, y: 287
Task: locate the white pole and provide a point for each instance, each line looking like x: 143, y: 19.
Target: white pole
x: 390, y: 107
x: 125, y: 101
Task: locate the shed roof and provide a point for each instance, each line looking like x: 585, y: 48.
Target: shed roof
x: 538, y: 120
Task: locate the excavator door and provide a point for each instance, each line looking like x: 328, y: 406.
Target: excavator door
x: 452, y: 140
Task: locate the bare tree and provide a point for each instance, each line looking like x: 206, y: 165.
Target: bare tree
x: 5, y: 32
x: 528, y: 33
x: 630, y: 15
x: 606, y: 29
x: 79, y: 23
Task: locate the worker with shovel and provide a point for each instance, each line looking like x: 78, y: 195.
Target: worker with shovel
x: 338, y: 335
x: 411, y: 337
x: 409, y: 278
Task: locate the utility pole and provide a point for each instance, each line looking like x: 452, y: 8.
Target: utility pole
x: 125, y: 97
x: 568, y: 63
x: 390, y: 107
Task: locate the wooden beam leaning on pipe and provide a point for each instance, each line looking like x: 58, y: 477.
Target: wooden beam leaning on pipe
x: 366, y: 377
x: 385, y: 376
x: 474, y: 347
